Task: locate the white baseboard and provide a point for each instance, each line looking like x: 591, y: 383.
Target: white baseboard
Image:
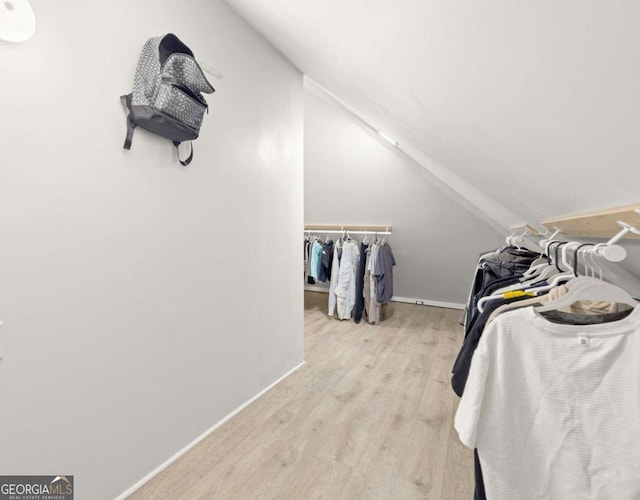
x: 406, y: 300
x: 184, y: 450
x: 316, y: 288
x: 433, y: 303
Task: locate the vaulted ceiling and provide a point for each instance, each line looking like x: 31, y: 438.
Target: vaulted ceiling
x: 527, y: 109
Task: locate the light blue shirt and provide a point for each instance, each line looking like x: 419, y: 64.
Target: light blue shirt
x: 316, y: 255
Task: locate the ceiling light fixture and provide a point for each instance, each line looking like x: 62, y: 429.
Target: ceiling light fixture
x: 385, y: 136
x: 17, y: 21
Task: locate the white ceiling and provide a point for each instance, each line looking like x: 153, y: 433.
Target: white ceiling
x: 530, y: 109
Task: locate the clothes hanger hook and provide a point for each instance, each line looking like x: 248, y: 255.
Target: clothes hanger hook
x: 546, y: 243
x: 555, y: 254
x: 575, y: 257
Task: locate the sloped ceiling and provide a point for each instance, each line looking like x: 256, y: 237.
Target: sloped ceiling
x: 529, y: 109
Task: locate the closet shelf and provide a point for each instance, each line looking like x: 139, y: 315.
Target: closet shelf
x: 599, y: 224
x: 525, y: 227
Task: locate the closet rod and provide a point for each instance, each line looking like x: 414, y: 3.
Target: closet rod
x: 347, y: 227
x: 333, y: 231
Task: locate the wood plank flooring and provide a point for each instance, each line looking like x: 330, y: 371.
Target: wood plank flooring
x: 370, y: 416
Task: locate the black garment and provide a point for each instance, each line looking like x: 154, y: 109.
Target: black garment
x: 508, y: 263
x: 307, y: 259
x: 306, y: 254
x: 494, y: 268
x: 479, y: 493
x: 461, y: 366
x: 322, y: 271
x: 360, y: 283
x: 484, y: 292
x: 326, y: 259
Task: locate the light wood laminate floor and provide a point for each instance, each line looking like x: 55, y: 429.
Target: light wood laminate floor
x: 369, y: 416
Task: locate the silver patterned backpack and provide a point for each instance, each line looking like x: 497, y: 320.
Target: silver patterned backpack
x: 167, y: 93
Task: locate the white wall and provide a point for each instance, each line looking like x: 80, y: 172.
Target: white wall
x: 142, y: 301
x: 352, y: 176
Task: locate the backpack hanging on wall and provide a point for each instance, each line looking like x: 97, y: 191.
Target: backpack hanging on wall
x: 167, y: 93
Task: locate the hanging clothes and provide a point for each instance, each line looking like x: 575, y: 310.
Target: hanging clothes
x: 326, y: 259
x: 316, y: 253
x: 335, y: 269
x: 536, y: 385
x: 346, y: 286
x: 500, y: 267
x: 384, y: 274
x: 354, y: 291
x: 495, y: 269
x: 552, y: 407
x: 366, y: 284
x: 360, y: 282
x: 373, y: 308
x: 307, y: 244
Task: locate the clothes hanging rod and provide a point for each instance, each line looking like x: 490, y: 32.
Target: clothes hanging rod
x: 347, y: 227
x: 333, y: 231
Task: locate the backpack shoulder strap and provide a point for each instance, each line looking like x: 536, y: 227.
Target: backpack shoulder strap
x: 131, y: 125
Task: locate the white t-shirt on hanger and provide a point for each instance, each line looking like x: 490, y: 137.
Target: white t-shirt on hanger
x: 554, y: 409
